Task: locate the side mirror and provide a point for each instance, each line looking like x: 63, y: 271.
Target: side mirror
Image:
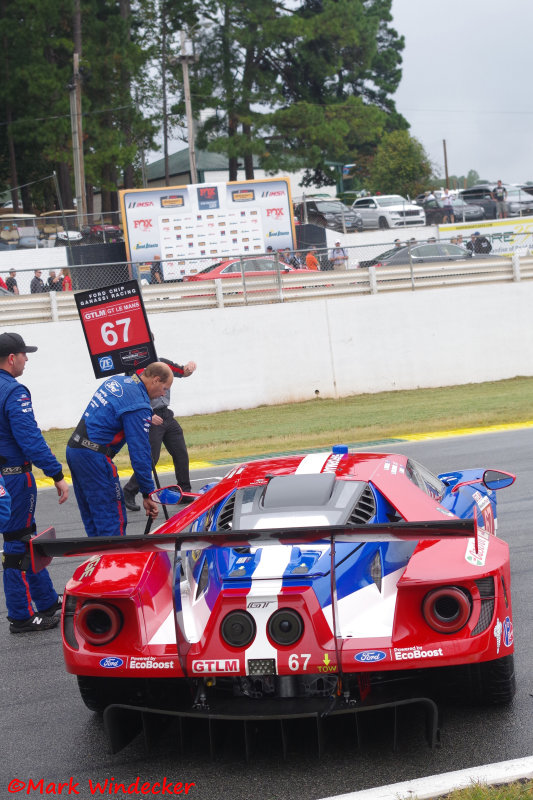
x: 494, y: 479
x: 167, y: 496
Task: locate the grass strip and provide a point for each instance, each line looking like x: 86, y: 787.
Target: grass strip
x: 521, y: 790
x: 349, y: 420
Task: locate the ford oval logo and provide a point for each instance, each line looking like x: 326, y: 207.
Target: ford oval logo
x: 370, y: 655
x: 111, y: 662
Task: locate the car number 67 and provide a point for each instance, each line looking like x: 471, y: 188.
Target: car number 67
x: 294, y: 662
x: 109, y: 334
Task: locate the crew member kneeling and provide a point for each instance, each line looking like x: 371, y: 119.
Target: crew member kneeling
x: 118, y: 412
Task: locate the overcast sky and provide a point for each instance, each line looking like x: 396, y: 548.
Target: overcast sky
x: 467, y: 78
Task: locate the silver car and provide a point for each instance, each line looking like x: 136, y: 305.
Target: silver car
x: 389, y: 211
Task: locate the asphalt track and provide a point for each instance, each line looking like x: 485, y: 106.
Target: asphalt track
x: 49, y: 735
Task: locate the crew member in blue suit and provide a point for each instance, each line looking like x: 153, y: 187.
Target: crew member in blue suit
x: 21, y: 443
x: 165, y: 429
x: 119, y: 412
x: 5, y: 505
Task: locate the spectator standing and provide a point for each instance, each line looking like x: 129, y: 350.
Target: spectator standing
x: 339, y: 257
x: 67, y: 280
x: 37, y: 284
x: 11, y: 282
x: 156, y: 273
x: 165, y: 429
x: 295, y: 260
x: 499, y: 193
x: 55, y: 282
x: 447, y: 205
x: 311, y: 261
x: 119, y: 412
x: 478, y: 245
x: 21, y: 443
x: 397, y: 244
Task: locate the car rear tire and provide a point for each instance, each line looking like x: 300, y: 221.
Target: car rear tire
x: 383, y: 223
x: 489, y: 683
x: 493, y: 682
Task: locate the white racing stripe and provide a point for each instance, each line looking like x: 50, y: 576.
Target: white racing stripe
x: 166, y: 633
x: 312, y: 464
x: 262, y: 600
x: 367, y: 612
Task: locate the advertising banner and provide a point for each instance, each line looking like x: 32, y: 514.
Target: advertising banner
x: 187, y: 228
x: 116, y: 328
x: 506, y: 236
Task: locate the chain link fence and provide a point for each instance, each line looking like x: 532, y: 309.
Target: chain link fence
x: 58, y: 229
x: 70, y: 268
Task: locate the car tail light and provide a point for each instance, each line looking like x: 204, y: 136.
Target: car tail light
x: 238, y: 628
x: 447, y: 609
x: 285, y: 626
x: 98, y: 623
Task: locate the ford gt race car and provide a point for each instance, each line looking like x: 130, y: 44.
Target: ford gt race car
x: 298, y: 586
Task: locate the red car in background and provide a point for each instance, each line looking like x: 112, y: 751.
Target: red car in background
x: 254, y: 266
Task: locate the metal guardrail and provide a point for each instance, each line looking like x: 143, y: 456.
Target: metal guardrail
x: 291, y: 287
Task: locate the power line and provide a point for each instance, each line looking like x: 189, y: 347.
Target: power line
x: 62, y: 116
x: 459, y: 111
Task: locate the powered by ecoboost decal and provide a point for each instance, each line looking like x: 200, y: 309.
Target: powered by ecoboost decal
x: 116, y: 328
x: 416, y: 653
x: 150, y: 663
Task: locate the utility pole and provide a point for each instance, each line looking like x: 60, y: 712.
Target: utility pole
x: 164, y: 91
x: 186, y: 57
x: 446, y: 164
x: 76, y: 121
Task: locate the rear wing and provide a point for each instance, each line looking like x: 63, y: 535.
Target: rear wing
x: 45, y: 546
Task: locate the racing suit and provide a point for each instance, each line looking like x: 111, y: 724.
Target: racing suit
x: 21, y: 443
x: 5, y: 505
x: 170, y: 434
x: 119, y: 412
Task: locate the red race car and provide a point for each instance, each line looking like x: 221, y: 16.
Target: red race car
x: 298, y: 586
x: 256, y: 266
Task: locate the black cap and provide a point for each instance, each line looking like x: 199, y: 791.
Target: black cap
x: 13, y: 343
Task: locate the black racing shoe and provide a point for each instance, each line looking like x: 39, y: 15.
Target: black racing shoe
x: 55, y: 608
x: 33, y: 624
x: 129, y: 500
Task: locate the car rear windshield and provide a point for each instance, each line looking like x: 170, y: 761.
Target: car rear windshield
x: 331, y: 206
x: 210, y: 268
x: 391, y: 200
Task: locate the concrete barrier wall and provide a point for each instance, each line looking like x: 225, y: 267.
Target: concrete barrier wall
x: 290, y: 352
